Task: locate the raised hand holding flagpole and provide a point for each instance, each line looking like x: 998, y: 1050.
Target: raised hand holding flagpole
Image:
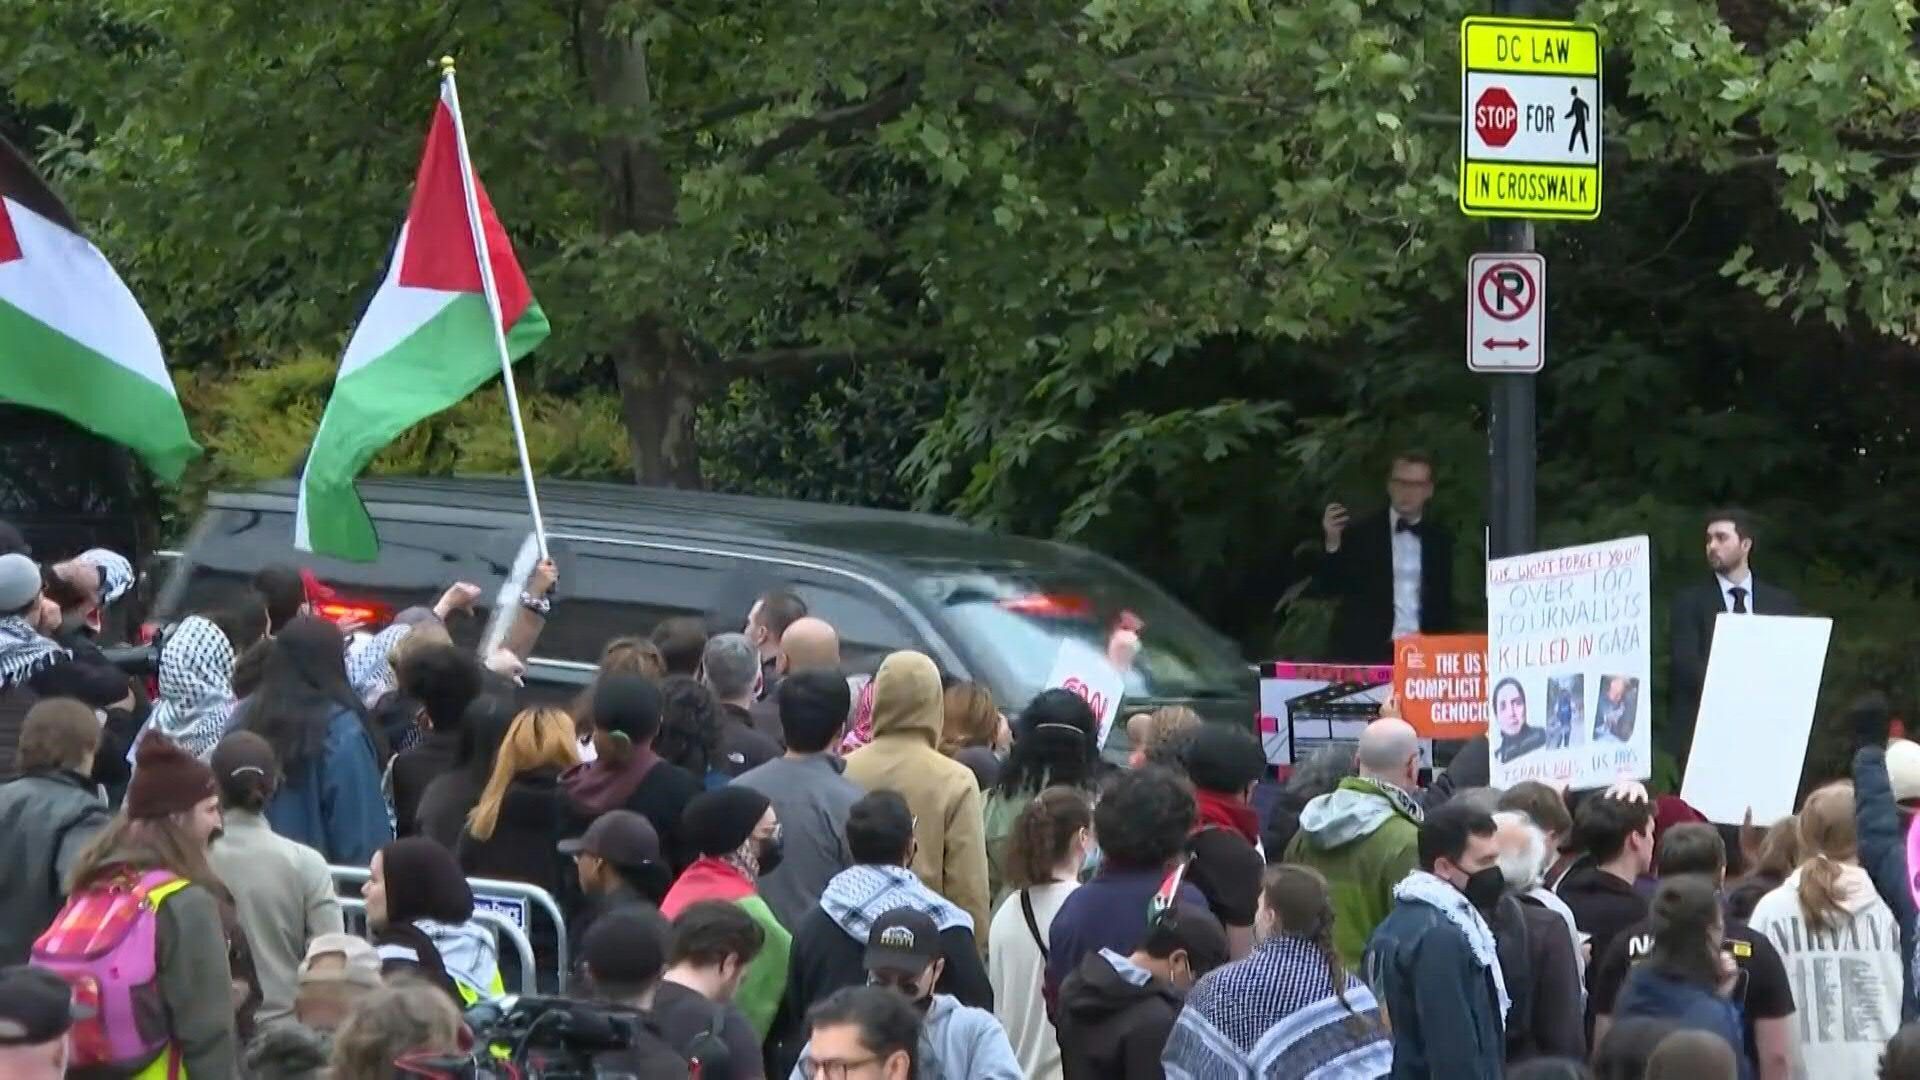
x: 480, y: 254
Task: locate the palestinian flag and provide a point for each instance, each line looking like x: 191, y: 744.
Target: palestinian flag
x: 425, y: 342
x: 73, y: 340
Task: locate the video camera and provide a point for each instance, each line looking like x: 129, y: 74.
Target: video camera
x: 534, y: 1038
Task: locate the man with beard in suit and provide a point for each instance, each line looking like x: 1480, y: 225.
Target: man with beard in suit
x: 1734, y: 591
x: 1392, y: 572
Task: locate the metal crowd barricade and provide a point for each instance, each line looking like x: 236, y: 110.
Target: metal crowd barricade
x: 354, y: 909
x: 507, y: 907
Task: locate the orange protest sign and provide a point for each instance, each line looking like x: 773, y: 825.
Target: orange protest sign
x: 1440, y: 683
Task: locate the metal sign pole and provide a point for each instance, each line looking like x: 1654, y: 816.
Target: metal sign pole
x: 1511, y: 448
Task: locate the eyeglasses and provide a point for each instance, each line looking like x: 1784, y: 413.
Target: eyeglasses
x: 834, y: 1070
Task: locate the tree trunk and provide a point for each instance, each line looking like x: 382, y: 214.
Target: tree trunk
x: 656, y: 371
x: 659, y: 390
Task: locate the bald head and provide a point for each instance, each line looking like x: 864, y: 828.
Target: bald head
x: 1390, y: 751
x: 811, y: 644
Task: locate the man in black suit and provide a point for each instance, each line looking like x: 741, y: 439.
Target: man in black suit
x: 1734, y: 591
x: 1392, y: 572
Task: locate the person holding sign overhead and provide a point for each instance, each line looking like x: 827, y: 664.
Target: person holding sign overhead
x: 1734, y: 591
x: 1392, y: 572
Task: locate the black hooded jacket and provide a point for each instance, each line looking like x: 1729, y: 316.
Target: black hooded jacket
x: 1112, y: 1026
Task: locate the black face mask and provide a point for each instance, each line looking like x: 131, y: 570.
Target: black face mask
x: 769, y: 854
x: 1484, y: 888
x: 907, y: 988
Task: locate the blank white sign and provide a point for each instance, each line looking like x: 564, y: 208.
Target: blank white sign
x: 1756, y: 711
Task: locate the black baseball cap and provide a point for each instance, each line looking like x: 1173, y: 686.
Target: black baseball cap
x: 902, y: 942
x: 621, y: 837
x: 35, y: 1007
x: 627, y: 946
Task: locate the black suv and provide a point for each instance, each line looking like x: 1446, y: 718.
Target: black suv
x: 992, y: 608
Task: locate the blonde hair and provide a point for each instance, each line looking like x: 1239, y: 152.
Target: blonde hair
x: 1829, y: 839
x: 621, y: 656
x: 972, y: 718
x: 538, y: 738
x: 1164, y: 723
x: 404, y: 1016
x: 422, y: 635
x: 633, y: 656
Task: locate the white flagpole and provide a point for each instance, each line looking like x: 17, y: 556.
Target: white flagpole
x: 493, y: 301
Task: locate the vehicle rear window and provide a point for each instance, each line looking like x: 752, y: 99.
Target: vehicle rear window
x: 613, y: 590
x: 1017, y: 618
x: 417, y: 561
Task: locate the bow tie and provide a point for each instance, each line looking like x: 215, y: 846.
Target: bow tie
x: 1403, y: 525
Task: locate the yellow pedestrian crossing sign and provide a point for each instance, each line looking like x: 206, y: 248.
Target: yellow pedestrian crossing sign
x: 1529, y: 118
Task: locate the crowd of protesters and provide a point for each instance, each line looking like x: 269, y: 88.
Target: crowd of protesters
x: 780, y: 868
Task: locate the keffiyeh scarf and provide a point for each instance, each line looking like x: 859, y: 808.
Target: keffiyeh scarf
x: 370, y: 664
x: 1401, y: 801
x: 196, y: 687
x: 860, y: 723
x: 860, y: 894
x: 1421, y: 887
x: 1275, y: 1013
x: 24, y: 652
x: 116, y: 573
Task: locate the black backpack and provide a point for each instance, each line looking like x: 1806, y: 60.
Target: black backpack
x: 708, y: 1057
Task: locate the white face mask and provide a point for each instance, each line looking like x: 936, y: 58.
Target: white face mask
x: 1090, y: 862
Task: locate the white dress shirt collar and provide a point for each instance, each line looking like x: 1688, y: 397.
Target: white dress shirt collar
x: 1727, y: 585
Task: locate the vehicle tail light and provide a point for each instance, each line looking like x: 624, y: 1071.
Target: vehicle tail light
x: 360, y: 614
x: 1049, y: 605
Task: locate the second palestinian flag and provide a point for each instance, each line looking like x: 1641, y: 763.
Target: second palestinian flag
x: 424, y: 343
x: 73, y: 340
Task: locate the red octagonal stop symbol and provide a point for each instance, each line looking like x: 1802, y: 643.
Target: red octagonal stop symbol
x: 1495, y: 117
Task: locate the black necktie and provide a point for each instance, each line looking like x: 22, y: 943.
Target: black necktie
x: 1739, y: 600
x: 1403, y: 525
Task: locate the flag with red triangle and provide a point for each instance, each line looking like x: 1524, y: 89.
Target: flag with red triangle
x: 425, y: 342
x: 73, y: 340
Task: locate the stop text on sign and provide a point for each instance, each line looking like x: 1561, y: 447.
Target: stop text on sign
x: 1530, y: 119
x: 1495, y: 116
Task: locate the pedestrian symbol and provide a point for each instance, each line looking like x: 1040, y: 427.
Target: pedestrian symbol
x: 1578, y: 110
x: 1532, y: 119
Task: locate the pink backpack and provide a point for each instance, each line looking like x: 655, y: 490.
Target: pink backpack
x: 104, y: 945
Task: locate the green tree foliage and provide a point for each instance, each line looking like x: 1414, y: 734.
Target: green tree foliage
x: 257, y: 424
x: 1186, y: 268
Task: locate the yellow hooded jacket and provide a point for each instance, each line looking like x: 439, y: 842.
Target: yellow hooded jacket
x: 908, y: 711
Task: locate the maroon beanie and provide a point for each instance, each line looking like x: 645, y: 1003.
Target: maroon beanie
x: 166, y: 780
x: 1671, y: 810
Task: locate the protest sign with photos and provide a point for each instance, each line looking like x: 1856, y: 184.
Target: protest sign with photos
x: 1568, y: 657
